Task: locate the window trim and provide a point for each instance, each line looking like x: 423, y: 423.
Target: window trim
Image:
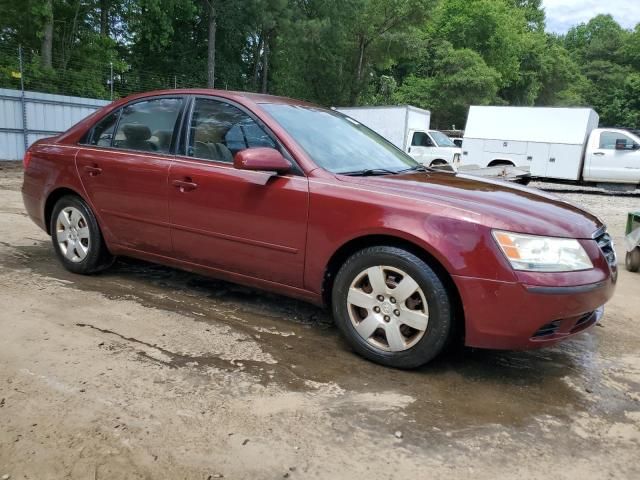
x: 186, y: 133
x: 177, y: 128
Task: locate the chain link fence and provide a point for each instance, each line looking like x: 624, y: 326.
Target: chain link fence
x: 37, y: 102
x: 21, y: 68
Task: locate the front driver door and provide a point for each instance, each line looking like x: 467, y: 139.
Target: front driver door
x: 232, y: 220
x: 606, y: 163
x: 422, y: 147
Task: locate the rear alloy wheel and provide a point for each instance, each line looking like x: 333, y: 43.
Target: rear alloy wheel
x: 392, y: 307
x: 76, y: 237
x: 72, y: 234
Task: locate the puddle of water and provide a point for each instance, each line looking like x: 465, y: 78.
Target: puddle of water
x: 462, y: 388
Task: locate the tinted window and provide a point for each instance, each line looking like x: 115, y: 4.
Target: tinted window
x: 608, y: 141
x: 338, y: 143
x: 103, y: 130
x: 219, y: 130
x: 148, y: 126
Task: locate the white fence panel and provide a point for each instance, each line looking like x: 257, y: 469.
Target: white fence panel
x: 46, y: 115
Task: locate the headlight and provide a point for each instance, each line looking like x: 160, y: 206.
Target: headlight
x: 542, y: 254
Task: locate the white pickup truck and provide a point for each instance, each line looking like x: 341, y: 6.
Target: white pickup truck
x: 407, y: 128
x: 558, y: 144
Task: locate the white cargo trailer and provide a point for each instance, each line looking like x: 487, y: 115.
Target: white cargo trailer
x: 407, y: 128
x: 550, y: 142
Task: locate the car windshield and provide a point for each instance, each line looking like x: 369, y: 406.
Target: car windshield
x: 339, y: 144
x: 441, y: 139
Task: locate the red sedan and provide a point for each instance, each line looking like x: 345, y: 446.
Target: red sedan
x: 287, y: 196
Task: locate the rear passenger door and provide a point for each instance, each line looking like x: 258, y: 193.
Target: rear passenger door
x: 124, y: 165
x: 239, y: 221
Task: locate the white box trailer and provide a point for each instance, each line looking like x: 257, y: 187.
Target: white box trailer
x: 393, y: 122
x: 407, y: 128
x: 550, y: 142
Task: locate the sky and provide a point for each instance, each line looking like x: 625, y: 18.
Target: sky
x: 563, y: 14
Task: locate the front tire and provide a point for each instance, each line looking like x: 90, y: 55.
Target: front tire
x: 392, y: 307
x: 76, y: 237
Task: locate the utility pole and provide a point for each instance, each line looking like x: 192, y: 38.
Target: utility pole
x: 111, y: 79
x: 23, y: 101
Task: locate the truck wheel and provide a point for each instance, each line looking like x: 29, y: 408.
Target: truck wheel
x: 392, y: 307
x: 632, y: 260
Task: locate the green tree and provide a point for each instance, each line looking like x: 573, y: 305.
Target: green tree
x: 452, y: 80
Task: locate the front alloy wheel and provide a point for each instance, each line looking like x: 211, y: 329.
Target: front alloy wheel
x: 392, y: 307
x: 387, y: 308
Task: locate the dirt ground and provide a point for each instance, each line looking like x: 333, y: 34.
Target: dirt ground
x: 148, y: 372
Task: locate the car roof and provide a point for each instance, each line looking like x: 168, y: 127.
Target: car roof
x: 258, y: 98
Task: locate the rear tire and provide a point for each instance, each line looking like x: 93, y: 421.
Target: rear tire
x: 392, y: 307
x: 632, y: 260
x: 76, y: 236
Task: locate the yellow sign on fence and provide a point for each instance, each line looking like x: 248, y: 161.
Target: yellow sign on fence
x: 16, y: 75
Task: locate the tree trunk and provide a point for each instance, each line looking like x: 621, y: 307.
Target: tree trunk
x: 256, y: 67
x: 47, y: 36
x: 355, y: 89
x: 104, y: 17
x: 265, y: 63
x: 211, y: 50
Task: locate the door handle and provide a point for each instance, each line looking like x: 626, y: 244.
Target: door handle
x: 552, y: 160
x: 185, y: 185
x: 598, y: 153
x: 93, y: 170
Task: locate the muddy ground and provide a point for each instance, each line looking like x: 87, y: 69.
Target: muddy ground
x: 149, y: 372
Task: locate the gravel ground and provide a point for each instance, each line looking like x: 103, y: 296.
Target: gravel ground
x: 148, y: 372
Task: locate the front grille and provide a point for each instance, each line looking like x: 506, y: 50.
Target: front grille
x: 606, y: 247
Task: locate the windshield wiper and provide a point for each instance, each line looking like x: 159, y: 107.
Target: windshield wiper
x: 418, y: 168
x: 368, y: 172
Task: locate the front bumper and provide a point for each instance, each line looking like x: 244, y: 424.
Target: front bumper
x: 517, y: 316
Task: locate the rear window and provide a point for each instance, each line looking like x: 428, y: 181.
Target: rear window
x: 148, y: 126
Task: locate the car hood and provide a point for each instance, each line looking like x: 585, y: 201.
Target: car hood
x: 497, y: 204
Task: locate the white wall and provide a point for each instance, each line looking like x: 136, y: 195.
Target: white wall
x: 46, y: 115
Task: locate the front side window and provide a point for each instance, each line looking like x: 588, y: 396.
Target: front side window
x: 148, y: 126
x: 338, y: 143
x: 441, y: 139
x: 608, y: 141
x: 421, y: 139
x: 102, y: 134
x: 219, y: 130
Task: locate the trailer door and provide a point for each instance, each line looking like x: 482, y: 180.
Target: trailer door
x: 565, y: 161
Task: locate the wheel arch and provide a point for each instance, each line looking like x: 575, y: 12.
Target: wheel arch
x: 501, y: 161
x: 51, y: 201
x: 437, y: 161
x: 359, y: 243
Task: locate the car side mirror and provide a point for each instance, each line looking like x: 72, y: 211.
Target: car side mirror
x: 261, y: 159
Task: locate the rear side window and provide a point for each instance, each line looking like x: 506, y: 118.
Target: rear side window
x: 219, y: 130
x: 103, y: 131
x: 148, y: 126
